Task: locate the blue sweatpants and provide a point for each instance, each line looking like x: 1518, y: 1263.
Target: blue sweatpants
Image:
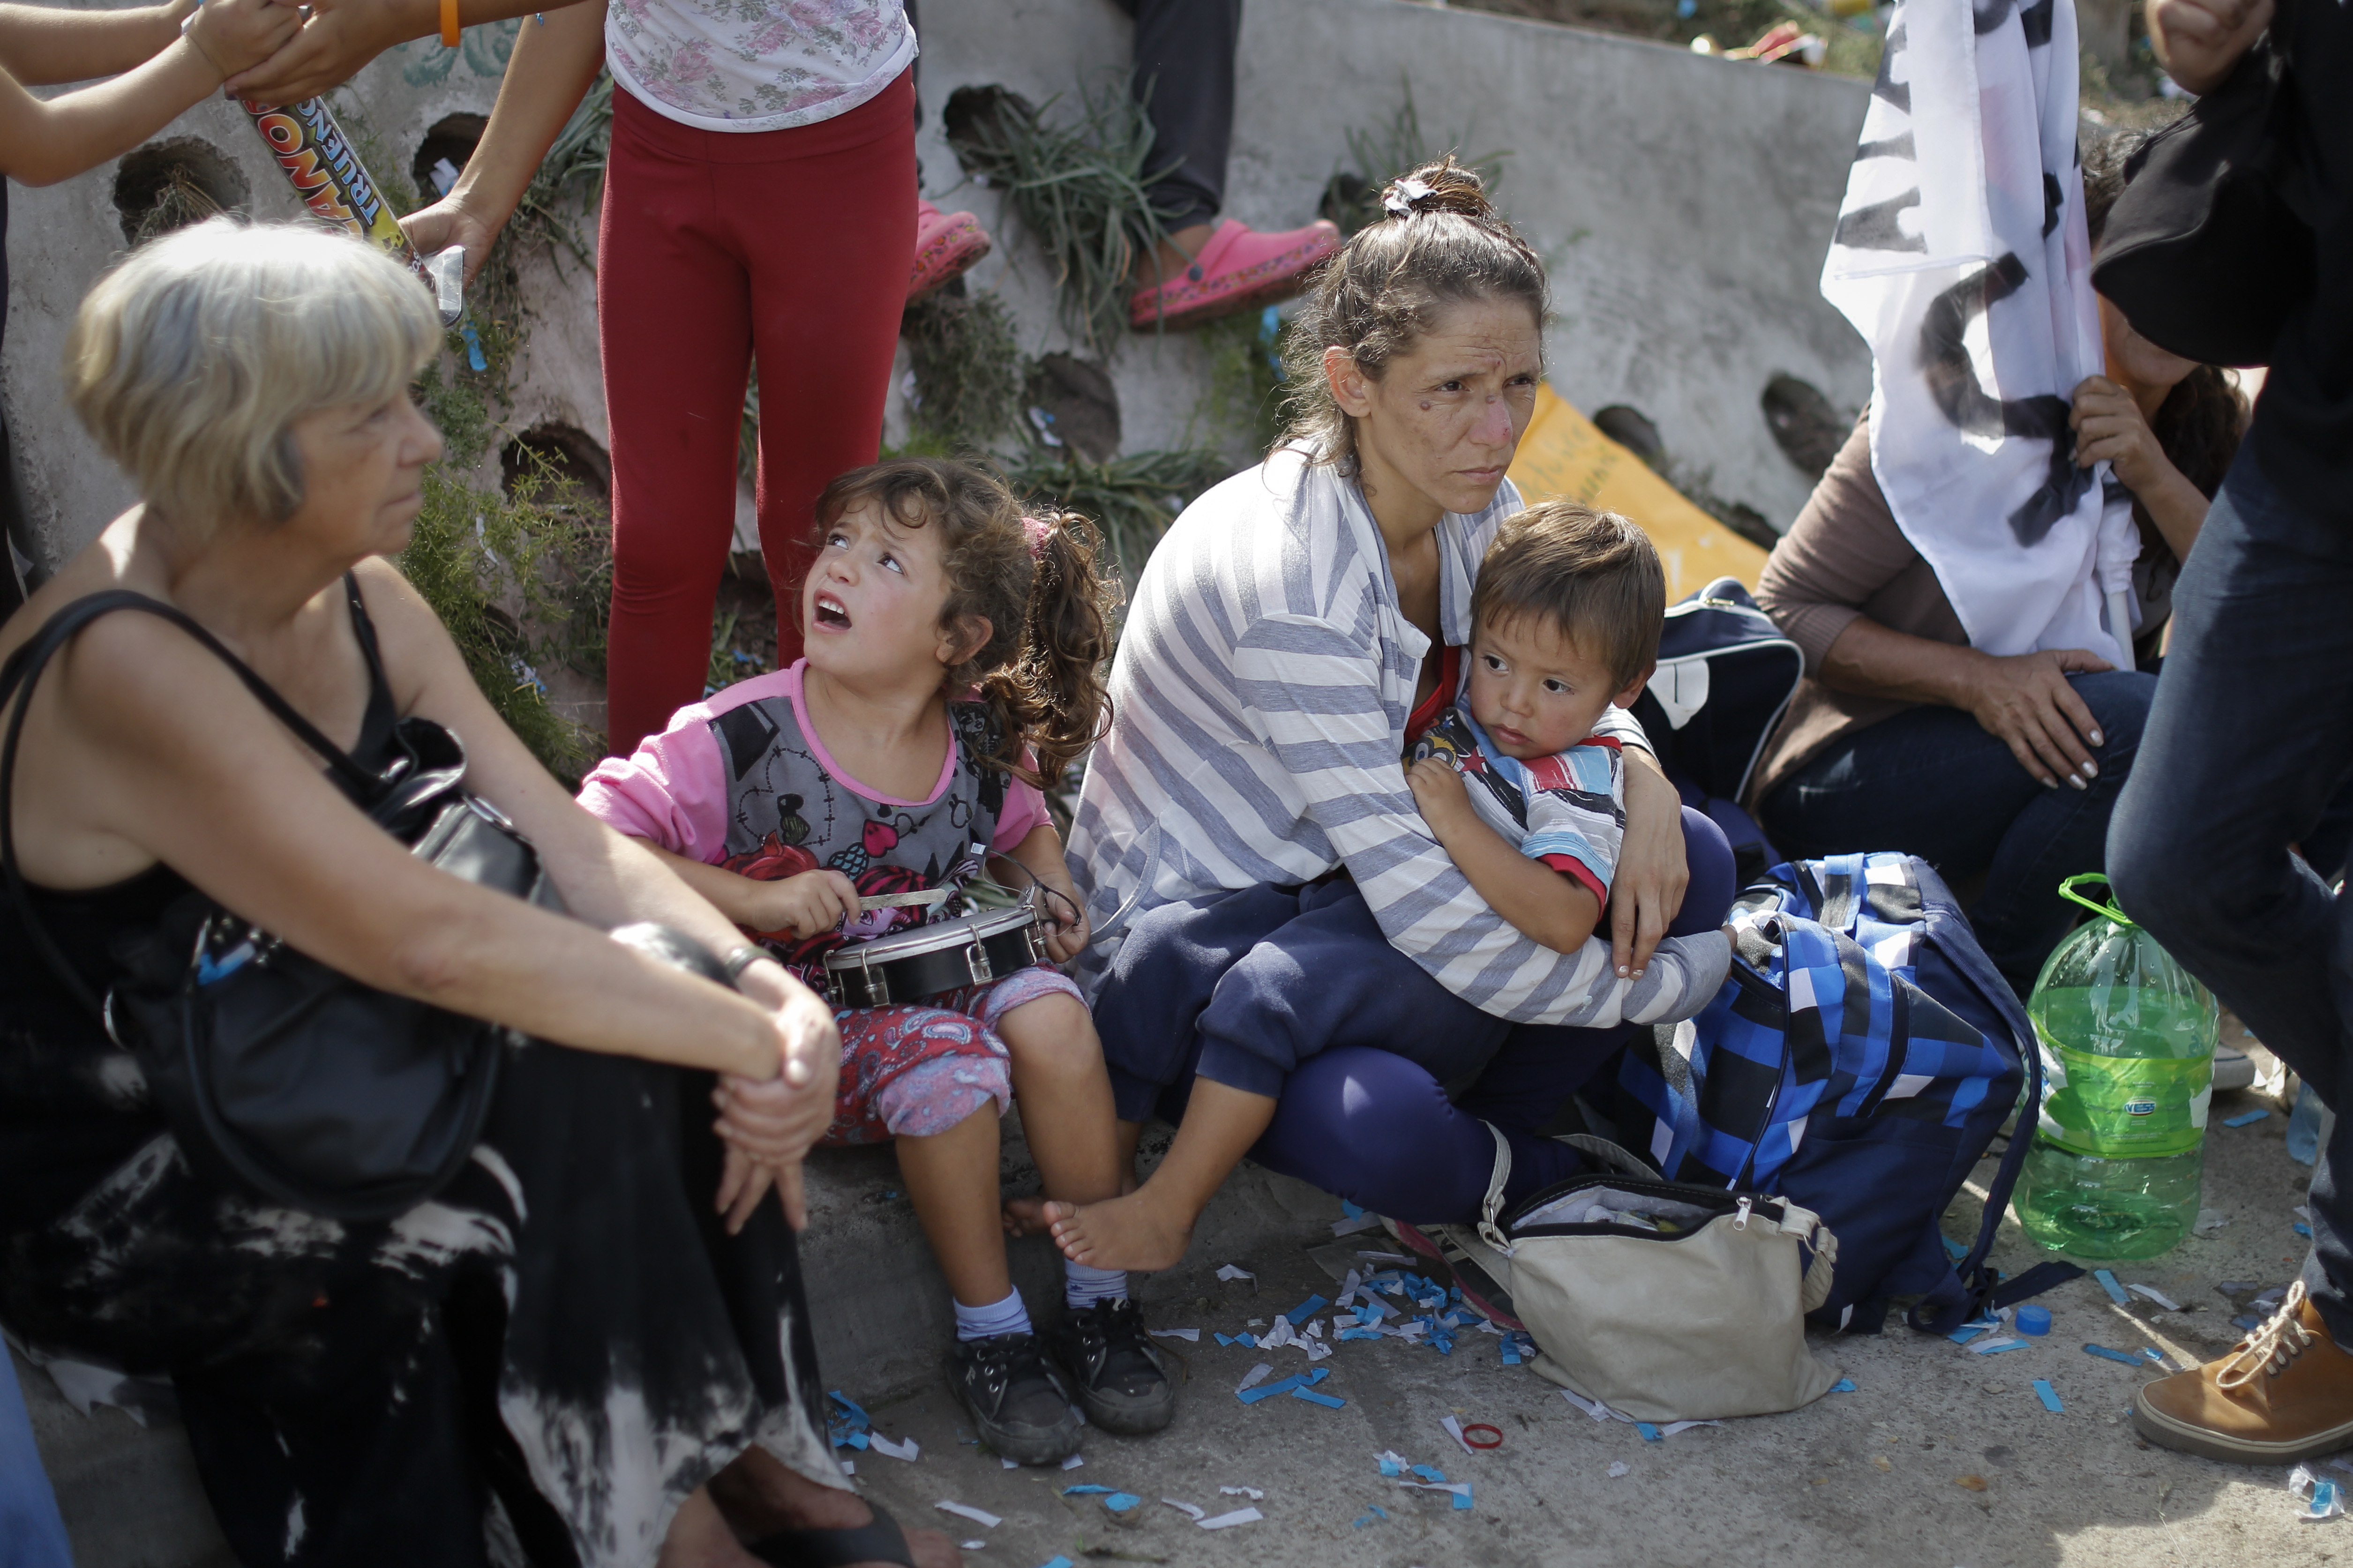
x: 1382, y: 1076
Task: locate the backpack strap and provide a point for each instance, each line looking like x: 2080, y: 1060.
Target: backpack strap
x: 1976, y: 1286
x: 17, y: 678
x: 1489, y: 1231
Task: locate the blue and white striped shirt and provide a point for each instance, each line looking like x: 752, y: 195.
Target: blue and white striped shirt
x: 1260, y: 699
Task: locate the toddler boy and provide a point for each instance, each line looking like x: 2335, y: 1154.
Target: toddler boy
x: 1528, y: 801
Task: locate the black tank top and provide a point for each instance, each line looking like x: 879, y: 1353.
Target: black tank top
x: 71, y: 1102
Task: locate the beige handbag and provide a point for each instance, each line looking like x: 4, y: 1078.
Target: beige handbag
x: 1664, y: 1300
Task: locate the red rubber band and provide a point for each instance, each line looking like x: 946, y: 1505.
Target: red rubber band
x: 1482, y: 1426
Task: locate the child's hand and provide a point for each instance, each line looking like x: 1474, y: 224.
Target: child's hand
x: 806, y: 905
x: 236, y: 35
x: 1067, y: 930
x: 1439, y: 791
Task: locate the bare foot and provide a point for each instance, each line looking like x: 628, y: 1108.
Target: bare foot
x: 1138, y: 1230
x: 1025, y: 1216
x: 760, y: 1497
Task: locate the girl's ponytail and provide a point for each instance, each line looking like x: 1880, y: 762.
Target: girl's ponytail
x: 1049, y: 698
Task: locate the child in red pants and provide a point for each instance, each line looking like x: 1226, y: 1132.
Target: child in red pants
x: 759, y: 201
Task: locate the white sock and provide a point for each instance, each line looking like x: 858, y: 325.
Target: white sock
x: 1005, y: 1316
x: 1082, y: 1287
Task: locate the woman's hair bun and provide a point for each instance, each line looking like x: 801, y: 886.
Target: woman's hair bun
x: 1445, y: 187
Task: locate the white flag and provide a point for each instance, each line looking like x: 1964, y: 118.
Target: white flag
x: 1961, y: 256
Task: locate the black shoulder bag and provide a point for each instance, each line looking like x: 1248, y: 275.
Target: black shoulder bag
x: 2206, y: 253
x: 279, y: 1076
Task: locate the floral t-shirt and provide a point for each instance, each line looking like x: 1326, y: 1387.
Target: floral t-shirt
x: 743, y: 780
x: 757, y: 65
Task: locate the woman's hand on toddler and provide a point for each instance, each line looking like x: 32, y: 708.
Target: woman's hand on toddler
x: 807, y: 905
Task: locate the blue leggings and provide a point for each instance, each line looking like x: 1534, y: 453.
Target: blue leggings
x: 1382, y: 1076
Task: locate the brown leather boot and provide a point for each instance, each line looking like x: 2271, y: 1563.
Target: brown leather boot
x: 2285, y: 1393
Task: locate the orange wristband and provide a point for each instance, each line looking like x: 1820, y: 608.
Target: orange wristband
x: 448, y: 24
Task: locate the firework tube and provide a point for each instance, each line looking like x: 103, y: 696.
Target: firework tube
x: 324, y: 168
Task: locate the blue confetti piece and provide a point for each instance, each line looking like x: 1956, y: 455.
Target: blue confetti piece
x: 1087, y: 1491
x: 1325, y: 1400
x: 1311, y: 1379
x: 2149, y: 1353
x: 2249, y: 1117
x: 1844, y: 1385
x: 1462, y: 1499
x: 1954, y: 1248
x: 474, y: 350
x: 854, y: 1440
x: 1511, y: 1354
x: 1056, y: 1562
x: 1360, y: 1334
x: 1224, y: 1340
x: 1268, y: 1390
x: 1388, y: 1468
x: 1375, y: 1513
x: 1649, y: 1433
x: 2104, y: 1353
x: 1966, y: 1332
x: 2049, y: 1395
x: 2000, y: 1349
x: 1432, y: 1474
x: 2108, y: 1283
x: 1120, y: 1502
x: 1351, y: 1210
x: 2303, y: 1229
x: 855, y: 1409
x: 1249, y: 1340
x: 1306, y: 1309
x: 2247, y: 1323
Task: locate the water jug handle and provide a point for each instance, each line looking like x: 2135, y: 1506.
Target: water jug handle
x: 2108, y: 909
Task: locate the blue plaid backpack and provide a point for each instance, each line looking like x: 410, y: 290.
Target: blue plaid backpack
x: 1859, y: 1060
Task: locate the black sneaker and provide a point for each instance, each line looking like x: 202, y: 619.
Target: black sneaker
x: 1020, y: 1403
x: 1121, y: 1380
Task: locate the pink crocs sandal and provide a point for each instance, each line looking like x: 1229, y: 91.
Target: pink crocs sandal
x: 947, y: 245
x: 1237, y: 270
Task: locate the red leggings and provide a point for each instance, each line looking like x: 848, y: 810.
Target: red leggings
x: 714, y: 243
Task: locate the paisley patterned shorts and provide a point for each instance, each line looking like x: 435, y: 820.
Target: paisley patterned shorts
x: 912, y: 1071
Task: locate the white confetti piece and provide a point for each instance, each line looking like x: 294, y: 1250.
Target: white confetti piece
x: 973, y: 1546
x: 1251, y: 1492
x: 1255, y: 1376
x: 1386, y: 1256
x: 1594, y: 1407
x: 1620, y: 1468
x: 2155, y: 1295
x: 1230, y: 1272
x: 1187, y: 1509
x: 1074, y: 1461
x: 1453, y: 1424
x: 1228, y: 1520
x: 1193, y: 1335
x: 902, y: 1451
x: 1351, y: 1226
x: 1672, y: 1427
x: 1459, y: 1488
x: 849, y: 1466
x: 965, y: 1510
x: 1010, y: 1464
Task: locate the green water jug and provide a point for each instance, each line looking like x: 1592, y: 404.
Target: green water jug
x: 2128, y: 1038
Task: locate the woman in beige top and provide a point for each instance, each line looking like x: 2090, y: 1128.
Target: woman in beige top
x: 1904, y: 737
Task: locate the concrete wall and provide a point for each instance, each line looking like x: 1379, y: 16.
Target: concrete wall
x: 1684, y: 204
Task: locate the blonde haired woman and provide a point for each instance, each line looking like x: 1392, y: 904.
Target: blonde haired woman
x: 599, y: 1322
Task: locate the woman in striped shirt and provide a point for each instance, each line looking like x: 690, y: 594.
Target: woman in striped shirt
x: 1285, y: 958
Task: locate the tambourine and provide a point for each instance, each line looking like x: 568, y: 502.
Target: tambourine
x: 912, y: 965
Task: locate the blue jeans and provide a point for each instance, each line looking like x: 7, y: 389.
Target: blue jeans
x: 1932, y: 782
x: 1385, y: 1079
x: 2249, y: 744
x: 31, y: 1533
